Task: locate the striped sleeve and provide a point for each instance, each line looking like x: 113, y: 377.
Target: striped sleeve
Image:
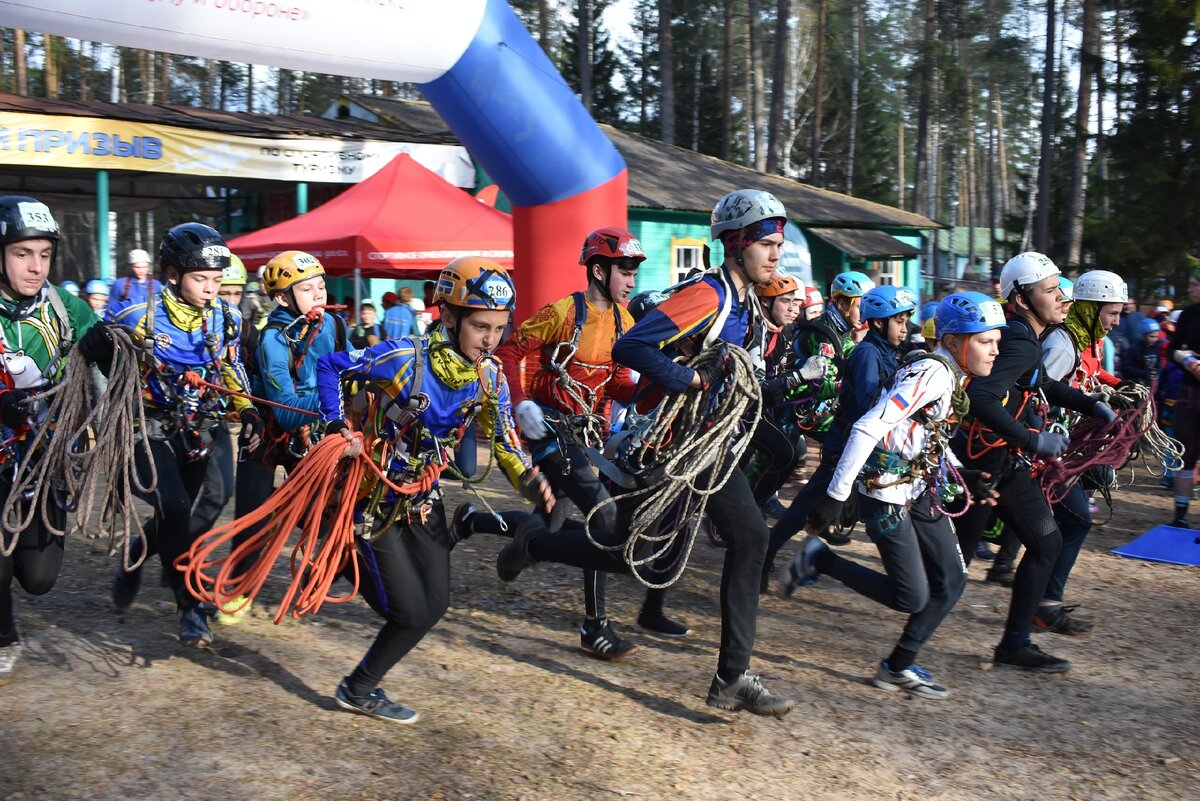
x: 388, y: 365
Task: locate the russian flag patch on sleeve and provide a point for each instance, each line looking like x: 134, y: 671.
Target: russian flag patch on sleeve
x: 900, y: 400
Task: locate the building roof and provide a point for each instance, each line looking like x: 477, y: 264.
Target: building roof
x: 663, y: 176
x: 271, y: 126
x: 410, y: 115
x: 861, y: 243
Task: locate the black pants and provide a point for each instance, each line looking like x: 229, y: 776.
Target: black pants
x: 737, y: 518
x: 255, y: 483
x: 404, y: 574
x: 773, y: 454
x: 571, y: 474
x: 1024, y: 510
x: 34, y: 563
x: 190, y: 496
x: 794, y: 518
x: 925, y: 573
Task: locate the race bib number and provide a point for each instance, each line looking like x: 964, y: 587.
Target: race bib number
x: 37, y: 216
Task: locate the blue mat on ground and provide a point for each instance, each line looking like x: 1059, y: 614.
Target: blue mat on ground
x: 1175, y: 546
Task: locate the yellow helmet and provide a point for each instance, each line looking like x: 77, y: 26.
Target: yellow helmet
x: 235, y: 273
x: 289, y: 268
x: 473, y: 282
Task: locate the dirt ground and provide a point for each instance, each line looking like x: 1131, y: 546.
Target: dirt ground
x: 106, y: 706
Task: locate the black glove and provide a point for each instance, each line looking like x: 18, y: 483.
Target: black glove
x: 712, y: 371
x: 13, y: 407
x: 252, y: 427
x: 335, y: 427
x: 977, y: 485
x: 533, y: 487
x: 825, y: 513
x: 1050, y: 444
x: 97, y: 344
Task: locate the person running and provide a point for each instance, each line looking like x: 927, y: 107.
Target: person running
x: 828, y: 342
x: 898, y: 458
x: 1072, y: 353
x: 717, y: 306
x: 282, y: 366
x: 136, y: 287
x: 38, y: 323
x: 432, y: 389
x: 1185, y: 413
x: 564, y: 412
x: 1002, y: 436
x: 193, y: 333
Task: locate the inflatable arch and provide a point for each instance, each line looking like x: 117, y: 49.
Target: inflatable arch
x: 473, y: 60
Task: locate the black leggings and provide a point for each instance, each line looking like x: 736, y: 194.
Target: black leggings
x: 190, y: 496
x: 1024, y: 510
x: 737, y: 518
x: 773, y: 454
x: 404, y: 575
x: 256, y: 483
x: 34, y: 563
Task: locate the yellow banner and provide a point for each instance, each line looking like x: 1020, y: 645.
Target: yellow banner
x: 92, y: 143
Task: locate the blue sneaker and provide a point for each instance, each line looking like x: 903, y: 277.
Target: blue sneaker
x: 914, y: 680
x: 802, y: 571
x: 193, y: 625
x: 374, y: 704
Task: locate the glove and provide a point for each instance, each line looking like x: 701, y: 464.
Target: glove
x: 1105, y: 412
x: 825, y: 513
x: 1050, y: 444
x: 97, y: 344
x: 977, y: 484
x: 13, y: 403
x: 814, y: 368
x: 532, y: 420
x: 252, y: 427
x: 712, y: 372
x: 534, y: 487
x: 335, y: 427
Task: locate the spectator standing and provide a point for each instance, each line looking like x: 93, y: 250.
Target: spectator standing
x: 399, y: 319
x: 136, y: 287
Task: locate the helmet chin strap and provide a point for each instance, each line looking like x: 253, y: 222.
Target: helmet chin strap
x: 1032, y: 308
x: 606, y: 284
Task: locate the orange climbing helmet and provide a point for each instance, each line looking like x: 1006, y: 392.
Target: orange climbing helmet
x: 473, y: 282
x: 780, y: 284
x: 289, y: 268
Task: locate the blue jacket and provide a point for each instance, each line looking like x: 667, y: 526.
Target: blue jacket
x: 872, y: 364
x: 398, y: 321
x: 277, y: 359
x: 126, y: 292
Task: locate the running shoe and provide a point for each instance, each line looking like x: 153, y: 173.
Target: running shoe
x: 514, y: 556
x: 747, y: 692
x: 838, y: 536
x: 241, y: 606
x: 460, y: 523
x: 125, y: 587
x: 773, y: 508
x: 1058, y: 620
x: 1180, y: 522
x: 914, y: 680
x: 1031, y: 658
x: 802, y: 570
x: 193, y: 625
x: 374, y: 704
x: 984, y: 551
x: 663, y: 626
x: 600, y: 639
x: 8, y: 662
x: 1001, y: 573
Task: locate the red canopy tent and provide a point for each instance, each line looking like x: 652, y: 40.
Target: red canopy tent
x: 404, y: 219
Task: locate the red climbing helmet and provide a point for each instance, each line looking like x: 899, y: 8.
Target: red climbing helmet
x: 611, y: 243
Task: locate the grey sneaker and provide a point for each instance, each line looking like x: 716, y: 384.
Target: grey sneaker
x: 914, y: 680
x: 374, y: 704
x: 802, y: 571
x: 747, y: 692
x: 514, y: 556
x: 8, y: 662
x: 193, y: 625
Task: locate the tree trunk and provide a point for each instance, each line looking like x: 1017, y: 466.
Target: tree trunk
x: 666, y: 73
x: 757, y: 87
x: 544, y: 25
x: 164, y: 78
x: 814, y: 154
x: 1041, y: 236
x: 969, y: 179
x: 583, y: 45
x: 855, y: 68
x: 779, y: 87
x: 49, y: 48
x: 924, y: 110
x: 19, y: 62
x: 249, y: 88
x: 1083, y: 113
x: 901, y: 187
x: 726, y: 80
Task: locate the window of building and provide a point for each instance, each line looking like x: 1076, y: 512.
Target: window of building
x: 891, y: 273
x: 686, y: 255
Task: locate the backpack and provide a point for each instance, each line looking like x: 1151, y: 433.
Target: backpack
x: 253, y: 338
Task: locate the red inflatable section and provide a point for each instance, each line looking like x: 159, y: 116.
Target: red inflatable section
x: 547, y: 240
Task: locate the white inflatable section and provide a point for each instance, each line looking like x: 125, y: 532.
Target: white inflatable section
x: 393, y: 40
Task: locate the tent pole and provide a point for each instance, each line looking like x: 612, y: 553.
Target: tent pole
x: 301, y: 198
x: 357, y: 295
x: 103, y: 242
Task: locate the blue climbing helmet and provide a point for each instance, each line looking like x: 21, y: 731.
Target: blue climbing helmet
x: 928, y: 310
x: 1149, y: 326
x: 643, y: 303
x: 1067, y: 287
x: 70, y: 286
x: 968, y: 313
x: 887, y: 301
x: 851, y: 284
x: 96, y: 286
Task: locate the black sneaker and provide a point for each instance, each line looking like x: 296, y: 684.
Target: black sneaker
x: 1031, y: 658
x: 984, y: 552
x: 460, y: 524
x: 802, y: 571
x: 1002, y: 574
x: 838, y: 536
x: 600, y: 639
x: 374, y: 704
x: 773, y: 508
x: 1058, y: 620
x: 747, y: 692
x: 662, y: 625
x: 514, y: 556
x: 1180, y: 522
x: 125, y: 587
x: 193, y: 625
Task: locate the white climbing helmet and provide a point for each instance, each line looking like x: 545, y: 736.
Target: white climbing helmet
x: 1026, y: 269
x: 745, y: 207
x: 1101, y: 286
